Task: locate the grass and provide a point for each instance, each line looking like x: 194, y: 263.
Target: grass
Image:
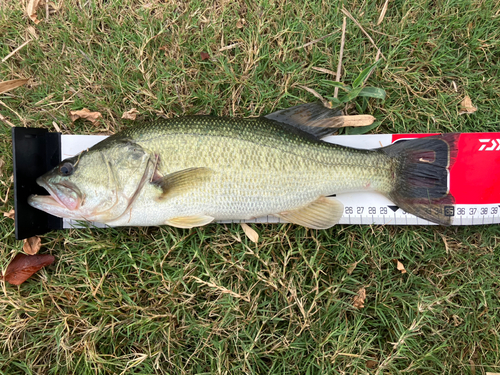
x: 171, y: 301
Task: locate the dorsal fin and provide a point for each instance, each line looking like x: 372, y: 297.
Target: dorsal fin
x: 312, y: 118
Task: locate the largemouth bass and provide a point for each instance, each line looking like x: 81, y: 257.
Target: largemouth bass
x: 191, y: 171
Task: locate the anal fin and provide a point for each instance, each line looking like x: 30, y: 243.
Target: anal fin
x: 189, y: 222
x: 322, y: 213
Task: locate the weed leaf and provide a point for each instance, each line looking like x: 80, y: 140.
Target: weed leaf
x: 358, y: 82
x: 352, y: 94
x: 373, y: 92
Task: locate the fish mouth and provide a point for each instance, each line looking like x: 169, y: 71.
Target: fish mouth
x: 41, y: 201
x: 64, y: 195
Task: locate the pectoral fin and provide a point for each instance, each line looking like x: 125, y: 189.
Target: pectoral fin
x: 189, y: 222
x: 182, y: 181
x: 323, y: 213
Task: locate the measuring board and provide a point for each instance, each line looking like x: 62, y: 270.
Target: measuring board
x: 474, y: 181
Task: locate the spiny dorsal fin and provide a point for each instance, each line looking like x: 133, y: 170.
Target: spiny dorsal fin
x: 182, y: 181
x: 313, y: 118
x: 189, y: 222
x: 323, y: 213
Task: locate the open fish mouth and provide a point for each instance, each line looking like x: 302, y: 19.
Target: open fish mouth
x: 42, y: 201
x: 63, y: 196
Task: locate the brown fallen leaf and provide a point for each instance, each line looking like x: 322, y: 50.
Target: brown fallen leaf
x: 11, y: 214
x: 466, y: 106
x: 250, y: 232
x: 31, y: 9
x: 32, y: 31
x: 241, y: 23
x: 371, y: 364
x: 130, y: 115
x: 204, y: 56
x: 352, y: 267
x: 358, y: 301
x: 12, y: 84
x: 400, y: 266
x: 85, y: 114
x: 32, y: 245
x: 24, y: 266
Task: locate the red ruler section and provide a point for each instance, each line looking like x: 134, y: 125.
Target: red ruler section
x: 475, y: 175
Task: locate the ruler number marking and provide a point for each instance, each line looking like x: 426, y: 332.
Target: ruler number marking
x: 468, y: 215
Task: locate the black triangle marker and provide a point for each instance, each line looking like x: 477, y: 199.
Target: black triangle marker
x: 394, y: 208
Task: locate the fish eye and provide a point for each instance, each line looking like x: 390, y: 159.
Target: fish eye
x: 66, y: 169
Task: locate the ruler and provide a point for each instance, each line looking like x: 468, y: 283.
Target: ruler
x: 474, y: 181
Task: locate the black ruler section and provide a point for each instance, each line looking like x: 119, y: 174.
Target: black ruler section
x: 35, y: 151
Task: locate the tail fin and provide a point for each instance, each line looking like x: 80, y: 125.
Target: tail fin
x: 421, y: 176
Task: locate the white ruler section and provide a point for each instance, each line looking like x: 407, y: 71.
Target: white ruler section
x: 363, y: 208
x: 367, y: 209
